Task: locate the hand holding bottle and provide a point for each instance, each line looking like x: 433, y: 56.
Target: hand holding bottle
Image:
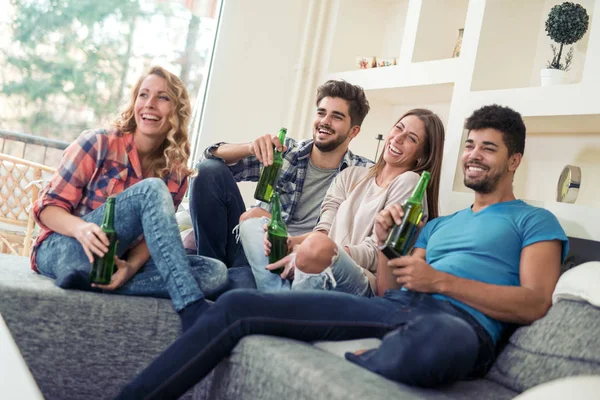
x: 262, y: 148
x: 92, y: 239
x: 270, y: 172
x: 385, y: 221
x: 125, y: 270
x: 284, y: 267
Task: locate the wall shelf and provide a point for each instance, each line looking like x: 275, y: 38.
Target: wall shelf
x: 366, y: 28
x: 399, y: 76
x: 571, y: 99
x: 438, y: 27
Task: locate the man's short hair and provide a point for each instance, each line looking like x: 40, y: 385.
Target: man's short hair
x: 503, y: 119
x: 353, y: 94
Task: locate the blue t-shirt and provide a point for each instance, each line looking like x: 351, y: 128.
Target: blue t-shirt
x: 486, y: 246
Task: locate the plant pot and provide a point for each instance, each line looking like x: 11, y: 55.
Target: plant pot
x: 551, y: 76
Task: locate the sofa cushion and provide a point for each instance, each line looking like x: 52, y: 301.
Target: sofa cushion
x: 80, y: 343
x: 566, y: 342
x: 270, y: 368
x: 581, y: 283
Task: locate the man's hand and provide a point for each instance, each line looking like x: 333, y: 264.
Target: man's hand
x: 414, y: 273
x: 254, y: 212
x: 289, y: 262
x: 125, y: 270
x: 262, y: 148
x: 385, y: 221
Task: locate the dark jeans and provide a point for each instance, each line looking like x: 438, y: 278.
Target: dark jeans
x: 426, y: 342
x: 215, y: 207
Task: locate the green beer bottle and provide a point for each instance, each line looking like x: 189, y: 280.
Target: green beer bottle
x: 277, y: 233
x: 103, y: 267
x: 401, y: 236
x: 270, y: 174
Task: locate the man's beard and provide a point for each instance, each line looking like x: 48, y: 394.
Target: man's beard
x: 326, y: 147
x: 486, y: 185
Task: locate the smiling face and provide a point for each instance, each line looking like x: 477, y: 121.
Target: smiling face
x: 332, y: 126
x: 486, y: 163
x: 153, y: 107
x: 405, y: 142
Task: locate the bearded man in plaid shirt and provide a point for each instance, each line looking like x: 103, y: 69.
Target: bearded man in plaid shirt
x: 309, y: 166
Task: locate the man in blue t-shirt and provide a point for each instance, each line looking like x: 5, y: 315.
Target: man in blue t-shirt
x: 440, y: 311
x: 498, y: 260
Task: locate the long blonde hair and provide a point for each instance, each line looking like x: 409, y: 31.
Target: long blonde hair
x: 431, y: 160
x: 174, y: 153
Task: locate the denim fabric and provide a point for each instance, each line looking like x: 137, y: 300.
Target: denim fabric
x: 144, y: 208
x: 348, y: 277
x: 216, y: 205
x: 252, y: 237
x: 305, y: 281
x: 426, y: 342
x: 210, y: 275
x: 237, y: 278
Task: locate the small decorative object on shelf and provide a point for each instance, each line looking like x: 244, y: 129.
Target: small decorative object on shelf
x: 386, y: 61
x: 366, y: 62
x: 568, y: 184
x: 458, y: 45
x: 566, y: 24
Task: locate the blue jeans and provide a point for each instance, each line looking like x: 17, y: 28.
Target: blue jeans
x: 425, y: 342
x: 348, y: 275
x: 216, y: 205
x: 252, y: 237
x: 145, y: 208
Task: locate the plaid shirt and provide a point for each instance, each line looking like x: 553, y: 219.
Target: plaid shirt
x: 293, y: 171
x: 97, y: 165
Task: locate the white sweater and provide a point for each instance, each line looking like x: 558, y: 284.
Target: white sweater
x: 350, y: 206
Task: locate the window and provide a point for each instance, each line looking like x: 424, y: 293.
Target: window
x: 68, y: 65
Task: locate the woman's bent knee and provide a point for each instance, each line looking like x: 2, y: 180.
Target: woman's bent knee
x: 316, y: 253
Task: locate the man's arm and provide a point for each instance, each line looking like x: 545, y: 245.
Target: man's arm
x: 261, y: 147
x: 539, y: 272
x: 232, y: 153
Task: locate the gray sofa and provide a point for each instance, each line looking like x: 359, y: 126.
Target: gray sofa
x: 86, y: 346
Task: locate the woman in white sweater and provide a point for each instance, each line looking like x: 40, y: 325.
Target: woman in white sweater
x: 341, y: 253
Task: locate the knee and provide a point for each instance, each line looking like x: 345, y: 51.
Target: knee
x: 208, y: 171
x: 254, y: 212
x: 155, y: 186
x: 157, y: 193
x: 439, y: 349
x: 315, y: 253
x: 252, y: 228
x: 239, y: 303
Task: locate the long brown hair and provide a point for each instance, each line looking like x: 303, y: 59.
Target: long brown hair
x: 174, y: 153
x: 431, y: 160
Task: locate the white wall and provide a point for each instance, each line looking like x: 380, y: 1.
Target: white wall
x: 253, y: 75
x: 253, y: 71
x: 438, y: 32
x: 504, y: 56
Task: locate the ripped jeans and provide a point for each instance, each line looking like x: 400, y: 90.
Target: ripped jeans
x: 344, y: 274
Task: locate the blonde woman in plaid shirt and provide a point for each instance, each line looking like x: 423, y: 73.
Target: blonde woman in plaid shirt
x: 142, y: 161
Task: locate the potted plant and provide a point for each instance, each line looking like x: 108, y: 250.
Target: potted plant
x: 566, y: 24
